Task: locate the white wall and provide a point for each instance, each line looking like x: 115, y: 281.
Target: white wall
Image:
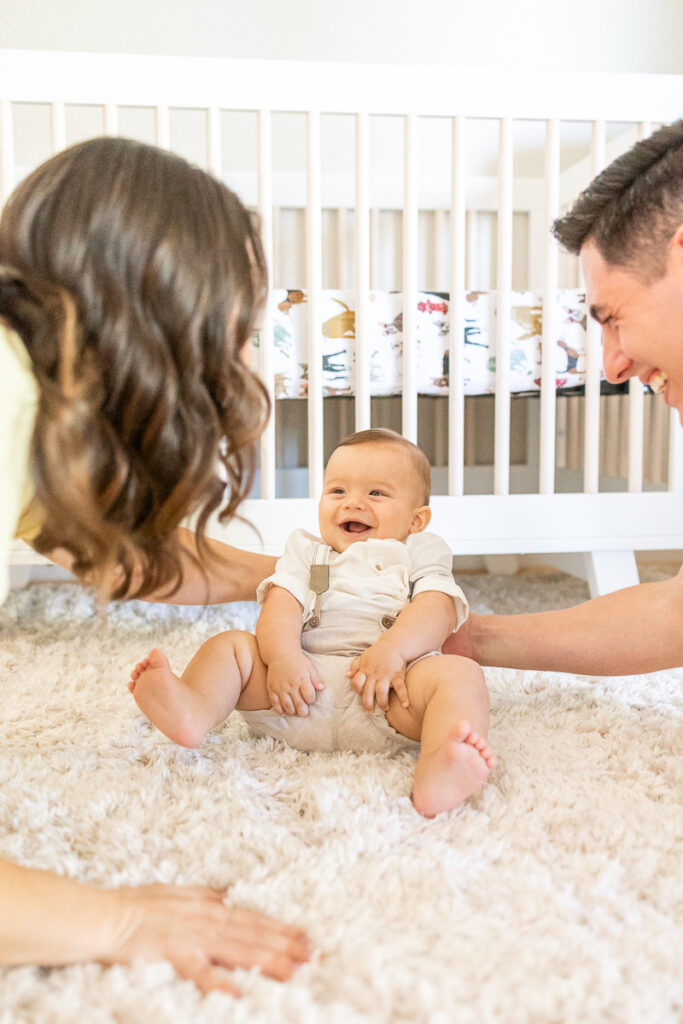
x: 581, y: 35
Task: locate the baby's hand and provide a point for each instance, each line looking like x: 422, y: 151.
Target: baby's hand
x: 376, y: 671
x: 293, y: 683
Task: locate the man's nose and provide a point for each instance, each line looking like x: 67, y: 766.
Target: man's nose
x: 618, y: 366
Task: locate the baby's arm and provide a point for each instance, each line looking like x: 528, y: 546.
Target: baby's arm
x: 292, y: 681
x: 422, y: 626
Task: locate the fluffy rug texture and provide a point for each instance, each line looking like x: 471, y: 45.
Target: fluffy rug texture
x: 553, y: 895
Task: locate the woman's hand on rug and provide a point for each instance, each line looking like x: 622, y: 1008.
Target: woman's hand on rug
x: 201, y: 936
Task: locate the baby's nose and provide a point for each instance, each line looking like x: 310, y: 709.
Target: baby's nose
x: 354, y: 501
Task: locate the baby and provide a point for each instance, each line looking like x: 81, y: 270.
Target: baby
x: 350, y: 620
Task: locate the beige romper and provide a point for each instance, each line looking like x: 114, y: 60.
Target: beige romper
x: 368, y: 585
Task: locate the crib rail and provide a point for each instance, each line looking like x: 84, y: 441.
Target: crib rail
x: 456, y: 200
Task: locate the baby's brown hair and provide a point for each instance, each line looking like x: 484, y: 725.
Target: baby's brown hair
x: 420, y: 461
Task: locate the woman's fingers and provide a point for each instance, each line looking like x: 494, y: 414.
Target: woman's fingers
x: 206, y: 976
x: 201, y: 936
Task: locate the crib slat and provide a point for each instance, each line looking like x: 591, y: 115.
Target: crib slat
x: 275, y: 275
x: 314, y: 283
x: 438, y: 261
x: 162, y: 127
x: 409, y: 288
x: 57, y: 126
x: 111, y: 119
x: 456, y: 353
x: 591, y: 455
x: 546, y: 484
x: 341, y: 246
x: 472, y: 250
x: 266, y: 362
x: 636, y: 420
x: 375, y: 246
x: 675, y: 453
x: 214, y: 160
x: 6, y: 151
x: 501, y: 469
x: 636, y: 425
x: 362, y: 404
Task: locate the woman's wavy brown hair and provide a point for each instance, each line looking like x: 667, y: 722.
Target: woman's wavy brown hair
x: 134, y: 280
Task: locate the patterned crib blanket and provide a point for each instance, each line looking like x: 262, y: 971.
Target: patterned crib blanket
x: 290, y: 329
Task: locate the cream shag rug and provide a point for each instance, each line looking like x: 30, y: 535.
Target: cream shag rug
x: 553, y: 896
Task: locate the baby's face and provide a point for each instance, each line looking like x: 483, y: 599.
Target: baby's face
x: 370, y: 490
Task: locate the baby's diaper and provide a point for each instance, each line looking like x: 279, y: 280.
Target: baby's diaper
x: 336, y: 721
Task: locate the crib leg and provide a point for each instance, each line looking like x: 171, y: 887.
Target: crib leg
x: 610, y: 570
x: 604, y: 571
x: 502, y: 565
x: 19, y: 576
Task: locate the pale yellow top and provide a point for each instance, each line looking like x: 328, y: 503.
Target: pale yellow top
x: 18, y: 405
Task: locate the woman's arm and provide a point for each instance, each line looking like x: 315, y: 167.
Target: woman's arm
x: 638, y: 629
x: 50, y: 920
x: 231, y: 575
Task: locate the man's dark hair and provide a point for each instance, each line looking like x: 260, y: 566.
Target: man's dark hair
x: 632, y: 209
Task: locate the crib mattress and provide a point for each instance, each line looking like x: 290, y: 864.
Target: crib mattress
x: 338, y: 320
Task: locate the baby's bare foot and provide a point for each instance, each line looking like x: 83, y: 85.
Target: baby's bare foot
x: 168, y: 702
x: 445, y: 777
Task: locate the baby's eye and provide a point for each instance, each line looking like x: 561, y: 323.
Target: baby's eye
x: 377, y: 493
x: 337, y: 490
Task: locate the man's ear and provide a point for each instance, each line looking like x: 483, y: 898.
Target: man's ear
x: 421, y: 518
x: 677, y: 246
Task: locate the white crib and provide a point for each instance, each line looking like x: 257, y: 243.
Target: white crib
x: 407, y: 179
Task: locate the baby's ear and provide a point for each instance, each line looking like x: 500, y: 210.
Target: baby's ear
x: 421, y: 519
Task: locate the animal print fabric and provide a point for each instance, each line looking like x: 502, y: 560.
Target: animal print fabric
x: 338, y: 340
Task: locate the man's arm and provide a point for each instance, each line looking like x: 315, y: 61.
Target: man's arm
x: 639, y: 629
x: 231, y: 574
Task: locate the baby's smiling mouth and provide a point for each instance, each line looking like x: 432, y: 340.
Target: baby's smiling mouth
x: 354, y: 526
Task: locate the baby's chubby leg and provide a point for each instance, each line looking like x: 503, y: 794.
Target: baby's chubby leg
x: 225, y: 673
x: 449, y: 715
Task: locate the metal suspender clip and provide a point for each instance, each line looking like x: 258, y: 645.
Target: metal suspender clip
x: 319, y: 580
